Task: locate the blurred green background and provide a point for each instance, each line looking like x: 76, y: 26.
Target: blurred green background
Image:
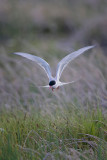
x: 84, y: 21
x: 51, y: 30
x: 36, y: 123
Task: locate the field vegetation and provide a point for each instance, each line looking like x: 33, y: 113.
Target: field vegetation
x: 36, y: 123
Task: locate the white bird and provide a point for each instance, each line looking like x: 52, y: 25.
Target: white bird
x: 54, y: 82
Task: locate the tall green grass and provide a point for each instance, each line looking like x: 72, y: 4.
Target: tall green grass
x: 70, y: 133
x: 56, y: 129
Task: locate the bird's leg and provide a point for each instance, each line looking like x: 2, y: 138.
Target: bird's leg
x: 57, y: 87
x: 52, y: 89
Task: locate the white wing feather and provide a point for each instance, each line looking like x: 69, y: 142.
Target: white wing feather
x: 64, y: 83
x: 39, y: 61
x: 64, y: 62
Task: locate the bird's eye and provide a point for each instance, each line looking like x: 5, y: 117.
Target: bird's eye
x: 51, y: 83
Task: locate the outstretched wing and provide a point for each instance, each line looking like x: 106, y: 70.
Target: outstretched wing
x: 64, y: 83
x: 38, y: 60
x: 64, y: 62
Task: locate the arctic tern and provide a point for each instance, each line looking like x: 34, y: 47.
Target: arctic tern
x: 54, y: 82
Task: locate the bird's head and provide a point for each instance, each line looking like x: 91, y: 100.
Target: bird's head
x: 52, y: 83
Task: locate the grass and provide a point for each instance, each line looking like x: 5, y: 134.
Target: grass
x: 70, y: 123
x: 61, y: 134
x: 46, y: 125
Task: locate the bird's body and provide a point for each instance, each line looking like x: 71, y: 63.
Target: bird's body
x: 54, y: 82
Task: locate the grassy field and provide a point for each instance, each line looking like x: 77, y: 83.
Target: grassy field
x: 36, y: 123
x: 71, y: 133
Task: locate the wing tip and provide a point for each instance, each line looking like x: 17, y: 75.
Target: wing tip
x: 17, y: 53
x: 89, y: 47
x: 93, y: 46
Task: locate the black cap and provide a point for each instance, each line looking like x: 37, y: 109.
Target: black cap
x: 51, y: 83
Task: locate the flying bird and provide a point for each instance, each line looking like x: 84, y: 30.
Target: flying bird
x: 54, y: 82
